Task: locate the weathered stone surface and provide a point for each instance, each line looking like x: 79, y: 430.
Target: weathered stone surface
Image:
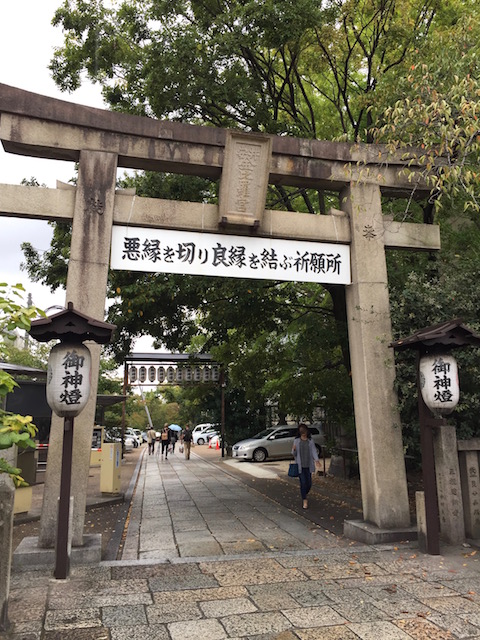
x: 197, y: 630
x: 7, y: 495
x: 470, y: 482
x: 139, y: 632
x: 379, y: 437
x: 251, y: 624
x: 230, y: 606
x: 449, y: 491
x: 60, y: 619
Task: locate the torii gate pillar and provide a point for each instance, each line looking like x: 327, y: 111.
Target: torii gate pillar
x: 379, y: 436
x: 86, y: 287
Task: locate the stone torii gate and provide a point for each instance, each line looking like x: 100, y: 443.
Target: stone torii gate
x: 101, y: 141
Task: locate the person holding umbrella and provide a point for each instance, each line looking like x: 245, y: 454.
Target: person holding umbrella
x: 173, y: 430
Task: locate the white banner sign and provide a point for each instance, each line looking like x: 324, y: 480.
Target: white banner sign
x: 212, y: 254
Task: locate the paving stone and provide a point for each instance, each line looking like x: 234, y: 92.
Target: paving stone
x: 305, y: 617
x: 198, y: 595
x: 197, y: 630
x: 75, y: 588
x: 459, y: 627
x: 343, y: 570
x: 178, y: 582
x: 455, y: 605
x: 377, y: 630
x: 473, y: 618
x: 404, y: 607
x: 163, y: 613
x: 273, y: 602
x: 250, y: 624
x: 192, y: 548
x: 327, y: 633
x: 90, y: 599
x: 26, y: 627
x: 309, y: 594
x: 150, y: 632
x: 421, y: 629
x: 18, y: 610
x: 78, y: 634
x: 263, y: 571
x: 191, y: 525
x: 428, y: 590
x: 125, y: 615
x: 359, y: 612
x: 72, y: 619
x: 227, y: 607
x: 243, y: 546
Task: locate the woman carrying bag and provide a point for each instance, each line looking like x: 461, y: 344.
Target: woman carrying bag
x: 306, y: 457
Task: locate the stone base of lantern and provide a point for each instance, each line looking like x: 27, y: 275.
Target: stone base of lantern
x: 28, y: 555
x: 369, y: 533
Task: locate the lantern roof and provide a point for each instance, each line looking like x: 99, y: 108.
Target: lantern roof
x: 446, y: 335
x: 70, y: 325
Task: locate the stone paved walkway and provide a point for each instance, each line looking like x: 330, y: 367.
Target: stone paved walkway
x: 192, y: 508
x: 207, y: 558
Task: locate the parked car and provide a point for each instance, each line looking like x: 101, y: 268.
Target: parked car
x: 201, y: 437
x: 129, y: 443
x: 136, y: 435
x: 205, y: 426
x: 275, y: 442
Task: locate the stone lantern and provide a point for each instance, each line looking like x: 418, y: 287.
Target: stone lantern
x: 438, y: 395
x: 68, y: 390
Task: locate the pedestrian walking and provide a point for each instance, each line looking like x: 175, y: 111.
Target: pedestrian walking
x: 165, y: 440
x: 151, y: 437
x: 187, y: 442
x: 306, y: 457
x: 173, y: 439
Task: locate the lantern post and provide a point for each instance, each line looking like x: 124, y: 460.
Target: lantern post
x: 438, y: 395
x: 68, y: 391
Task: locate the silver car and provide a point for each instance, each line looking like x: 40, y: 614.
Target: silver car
x: 275, y: 442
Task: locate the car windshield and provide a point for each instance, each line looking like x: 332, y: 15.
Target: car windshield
x: 263, y: 434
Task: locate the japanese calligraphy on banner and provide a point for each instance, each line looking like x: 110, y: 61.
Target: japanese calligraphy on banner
x: 209, y: 254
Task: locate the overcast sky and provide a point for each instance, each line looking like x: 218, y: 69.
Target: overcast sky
x: 27, y: 41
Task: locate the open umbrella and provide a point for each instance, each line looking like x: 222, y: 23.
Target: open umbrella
x: 175, y: 427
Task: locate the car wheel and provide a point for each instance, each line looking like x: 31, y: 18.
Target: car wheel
x: 200, y: 441
x: 259, y: 455
x: 319, y: 450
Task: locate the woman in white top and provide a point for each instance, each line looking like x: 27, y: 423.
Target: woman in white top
x: 306, y: 457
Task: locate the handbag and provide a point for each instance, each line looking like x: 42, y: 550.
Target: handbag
x: 180, y: 448
x: 293, y: 470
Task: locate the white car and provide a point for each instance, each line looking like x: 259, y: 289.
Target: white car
x: 136, y: 436
x: 201, y: 437
x: 129, y: 443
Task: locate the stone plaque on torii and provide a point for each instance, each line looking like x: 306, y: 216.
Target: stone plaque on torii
x: 101, y: 141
